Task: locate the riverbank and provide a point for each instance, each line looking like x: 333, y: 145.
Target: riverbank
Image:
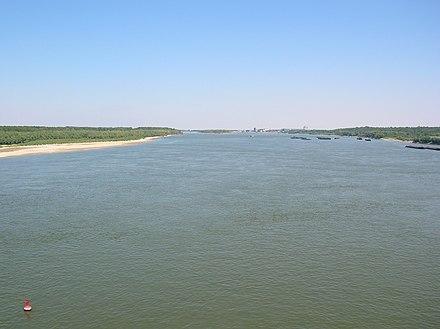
x: 419, y: 135
x: 390, y: 139
x: 15, y: 151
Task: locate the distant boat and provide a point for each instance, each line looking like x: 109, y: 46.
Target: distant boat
x: 359, y: 138
x: 423, y: 147
x: 367, y: 140
x: 301, y: 138
x: 324, y: 138
x: 415, y: 147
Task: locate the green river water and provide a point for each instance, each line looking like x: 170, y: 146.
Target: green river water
x: 222, y: 231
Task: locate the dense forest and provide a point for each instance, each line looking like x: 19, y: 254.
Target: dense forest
x: 36, y: 135
x: 423, y: 135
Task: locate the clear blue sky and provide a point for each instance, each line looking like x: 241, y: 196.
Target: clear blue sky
x: 220, y: 64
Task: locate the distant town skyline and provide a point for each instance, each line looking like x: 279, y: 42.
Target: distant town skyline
x: 220, y: 64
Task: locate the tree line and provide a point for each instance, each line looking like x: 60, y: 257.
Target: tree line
x: 424, y: 135
x: 214, y: 131
x: 36, y: 135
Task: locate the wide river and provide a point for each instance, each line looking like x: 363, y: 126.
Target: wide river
x: 222, y: 231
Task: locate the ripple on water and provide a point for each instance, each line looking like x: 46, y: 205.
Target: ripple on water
x: 224, y: 232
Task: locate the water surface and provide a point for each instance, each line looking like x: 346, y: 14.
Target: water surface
x: 222, y: 231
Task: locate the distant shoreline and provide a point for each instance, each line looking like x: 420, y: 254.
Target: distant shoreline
x: 419, y: 135
x: 396, y: 140
x: 15, y: 151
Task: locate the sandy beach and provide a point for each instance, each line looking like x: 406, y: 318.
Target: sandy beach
x: 396, y: 140
x: 7, y: 152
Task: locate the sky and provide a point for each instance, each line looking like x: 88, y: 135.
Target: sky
x: 220, y: 64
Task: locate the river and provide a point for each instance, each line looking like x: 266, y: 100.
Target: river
x: 222, y: 231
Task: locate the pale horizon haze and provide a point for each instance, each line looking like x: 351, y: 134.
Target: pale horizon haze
x: 220, y: 64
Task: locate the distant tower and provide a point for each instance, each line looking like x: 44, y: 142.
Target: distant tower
x: 255, y: 130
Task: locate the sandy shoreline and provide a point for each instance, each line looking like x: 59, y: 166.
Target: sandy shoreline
x: 396, y: 140
x: 7, y: 152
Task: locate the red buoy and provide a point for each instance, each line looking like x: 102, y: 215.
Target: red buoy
x: 27, y: 307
